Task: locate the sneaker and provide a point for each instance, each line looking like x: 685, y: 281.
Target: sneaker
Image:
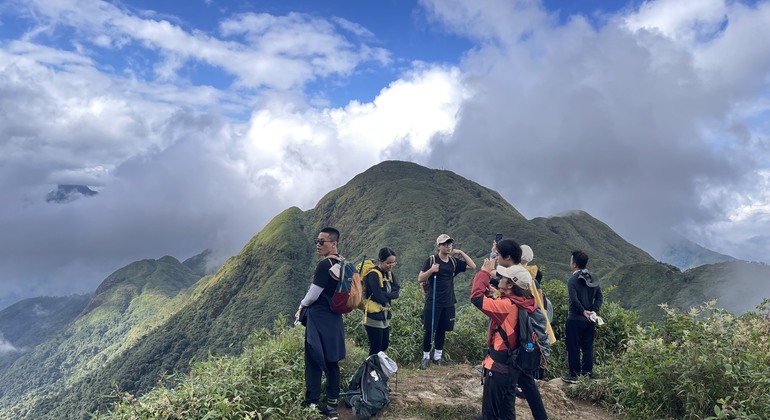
x: 440, y: 362
x: 569, y: 379
x: 424, y: 364
x: 330, y: 412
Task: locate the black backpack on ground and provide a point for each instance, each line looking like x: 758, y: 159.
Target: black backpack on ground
x: 372, y: 382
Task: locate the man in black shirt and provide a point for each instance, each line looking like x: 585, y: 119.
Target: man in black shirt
x: 324, y: 333
x: 437, y: 276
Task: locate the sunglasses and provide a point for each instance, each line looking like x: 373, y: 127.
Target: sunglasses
x: 321, y: 241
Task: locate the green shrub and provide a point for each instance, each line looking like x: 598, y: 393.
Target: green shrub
x: 693, y: 365
x: 266, y: 381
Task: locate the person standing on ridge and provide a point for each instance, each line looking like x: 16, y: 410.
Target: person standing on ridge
x: 381, y: 288
x: 527, y: 255
x: 437, y: 278
x: 500, y: 374
x: 510, y: 254
x: 324, y: 333
x: 585, y: 301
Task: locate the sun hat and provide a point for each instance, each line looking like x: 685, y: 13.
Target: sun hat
x: 518, y: 274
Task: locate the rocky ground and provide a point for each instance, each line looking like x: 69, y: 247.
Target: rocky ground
x: 454, y: 392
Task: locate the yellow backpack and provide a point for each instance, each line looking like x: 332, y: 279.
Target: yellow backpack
x: 369, y: 305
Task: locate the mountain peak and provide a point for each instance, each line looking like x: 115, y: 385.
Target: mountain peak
x: 65, y: 193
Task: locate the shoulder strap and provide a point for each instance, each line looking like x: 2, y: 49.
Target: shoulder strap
x: 380, y: 276
x: 502, y: 332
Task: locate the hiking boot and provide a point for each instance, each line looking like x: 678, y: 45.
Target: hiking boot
x: 569, y: 379
x: 330, y: 412
x: 440, y: 362
x: 424, y: 364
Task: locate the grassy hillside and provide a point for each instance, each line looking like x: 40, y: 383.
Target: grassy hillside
x: 738, y: 286
x: 124, y: 309
x: 30, y: 322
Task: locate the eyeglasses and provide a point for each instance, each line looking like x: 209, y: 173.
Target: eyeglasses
x: 321, y: 241
x: 446, y: 244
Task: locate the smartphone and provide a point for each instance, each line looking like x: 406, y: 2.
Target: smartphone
x: 498, y: 237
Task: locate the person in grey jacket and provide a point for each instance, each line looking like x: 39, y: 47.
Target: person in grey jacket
x: 585, y: 302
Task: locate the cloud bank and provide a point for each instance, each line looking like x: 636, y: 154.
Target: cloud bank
x: 651, y: 119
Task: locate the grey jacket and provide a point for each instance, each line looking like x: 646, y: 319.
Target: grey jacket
x: 538, y: 323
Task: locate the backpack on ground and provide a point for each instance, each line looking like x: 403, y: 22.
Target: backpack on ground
x: 372, y: 382
x: 528, y: 356
x: 348, y: 293
x: 424, y: 284
x: 370, y: 305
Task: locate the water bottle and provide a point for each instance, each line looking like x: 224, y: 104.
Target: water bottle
x: 530, y: 347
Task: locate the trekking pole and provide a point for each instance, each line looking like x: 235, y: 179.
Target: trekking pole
x: 433, y: 312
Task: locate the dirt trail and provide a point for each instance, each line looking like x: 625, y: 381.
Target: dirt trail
x: 454, y: 392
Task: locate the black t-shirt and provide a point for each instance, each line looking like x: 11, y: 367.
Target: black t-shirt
x: 322, y: 278
x: 445, y: 285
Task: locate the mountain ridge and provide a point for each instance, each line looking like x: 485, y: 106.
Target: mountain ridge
x: 397, y: 204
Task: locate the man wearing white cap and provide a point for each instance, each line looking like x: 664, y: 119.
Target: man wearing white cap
x: 500, y: 373
x: 437, y: 277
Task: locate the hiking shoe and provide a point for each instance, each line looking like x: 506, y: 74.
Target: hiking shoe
x: 330, y: 412
x: 424, y: 364
x: 440, y: 362
x: 569, y: 379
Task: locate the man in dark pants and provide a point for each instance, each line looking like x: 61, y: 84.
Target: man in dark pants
x: 440, y: 269
x: 585, y: 301
x: 324, y: 333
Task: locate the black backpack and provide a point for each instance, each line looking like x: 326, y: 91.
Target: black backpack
x: 373, y: 384
x: 528, y: 356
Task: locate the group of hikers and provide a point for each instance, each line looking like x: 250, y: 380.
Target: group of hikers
x: 506, y: 289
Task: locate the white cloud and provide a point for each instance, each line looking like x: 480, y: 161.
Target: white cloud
x: 652, y: 120
x: 6, y: 347
x: 260, y: 50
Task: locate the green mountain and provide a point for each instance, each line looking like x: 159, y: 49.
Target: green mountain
x: 397, y: 204
x: 128, y: 305
x: 738, y: 286
x: 30, y: 322
x: 606, y: 249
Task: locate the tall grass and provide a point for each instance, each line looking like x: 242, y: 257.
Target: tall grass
x: 705, y: 363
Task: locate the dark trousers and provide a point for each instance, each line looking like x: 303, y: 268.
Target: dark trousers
x: 499, y: 399
x: 532, y: 394
x: 379, y: 339
x: 313, y: 381
x: 580, y: 338
x: 443, y: 321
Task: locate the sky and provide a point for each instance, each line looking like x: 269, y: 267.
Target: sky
x: 198, y: 121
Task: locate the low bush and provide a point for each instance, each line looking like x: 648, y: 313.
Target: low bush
x: 702, y: 363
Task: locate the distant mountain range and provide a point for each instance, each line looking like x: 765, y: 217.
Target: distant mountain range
x: 685, y: 254
x: 156, y: 316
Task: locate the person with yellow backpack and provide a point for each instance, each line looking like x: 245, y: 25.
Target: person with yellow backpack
x: 380, y: 288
